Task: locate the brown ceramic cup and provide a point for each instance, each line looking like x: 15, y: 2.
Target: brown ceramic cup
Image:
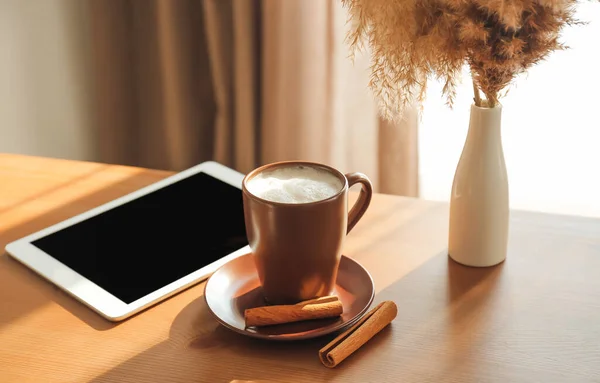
x: 297, y: 246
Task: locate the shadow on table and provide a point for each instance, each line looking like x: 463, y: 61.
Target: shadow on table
x: 446, y: 311
x: 27, y: 291
x: 201, y: 350
x: 429, y: 298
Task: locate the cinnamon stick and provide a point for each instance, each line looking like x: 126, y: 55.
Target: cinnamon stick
x: 357, y: 335
x: 319, y: 308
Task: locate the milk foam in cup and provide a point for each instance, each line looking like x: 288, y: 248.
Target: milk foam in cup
x: 295, y: 184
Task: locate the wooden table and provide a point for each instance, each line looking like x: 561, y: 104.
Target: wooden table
x: 535, y: 318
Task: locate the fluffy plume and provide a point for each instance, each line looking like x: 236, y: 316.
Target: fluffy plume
x: 413, y: 40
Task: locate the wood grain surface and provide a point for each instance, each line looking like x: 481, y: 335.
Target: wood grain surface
x: 534, y: 318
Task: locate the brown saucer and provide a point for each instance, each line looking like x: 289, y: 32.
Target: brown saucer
x: 235, y: 287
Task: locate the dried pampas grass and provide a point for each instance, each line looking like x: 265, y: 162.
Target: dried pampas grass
x: 413, y: 40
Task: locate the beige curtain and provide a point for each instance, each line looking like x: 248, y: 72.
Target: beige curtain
x: 242, y: 82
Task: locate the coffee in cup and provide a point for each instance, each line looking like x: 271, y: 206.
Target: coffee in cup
x: 297, y: 218
x: 294, y: 184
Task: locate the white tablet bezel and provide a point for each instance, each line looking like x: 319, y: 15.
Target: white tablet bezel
x: 92, y: 295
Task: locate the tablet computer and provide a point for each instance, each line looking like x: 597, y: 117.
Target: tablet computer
x: 138, y: 250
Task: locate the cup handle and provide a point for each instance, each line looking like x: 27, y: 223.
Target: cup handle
x: 364, y: 198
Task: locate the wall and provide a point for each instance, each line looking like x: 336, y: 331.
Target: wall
x: 44, y: 89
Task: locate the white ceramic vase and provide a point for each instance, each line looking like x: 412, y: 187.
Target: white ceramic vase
x: 479, y: 207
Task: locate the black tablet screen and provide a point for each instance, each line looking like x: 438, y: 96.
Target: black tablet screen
x: 149, y: 242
